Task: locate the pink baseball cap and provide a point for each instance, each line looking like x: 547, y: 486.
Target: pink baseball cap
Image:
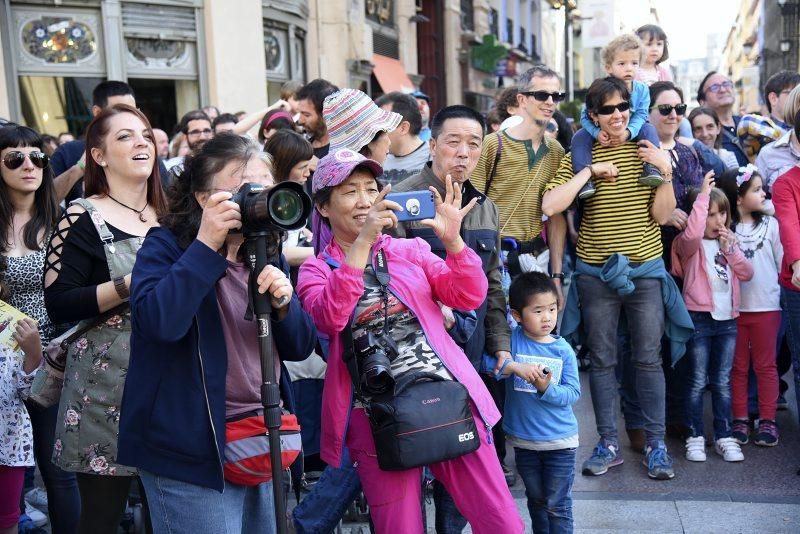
x: 335, y: 168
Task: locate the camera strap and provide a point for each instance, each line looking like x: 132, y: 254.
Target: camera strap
x: 382, y: 274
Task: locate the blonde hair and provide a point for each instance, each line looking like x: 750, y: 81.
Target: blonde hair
x: 622, y: 43
x: 792, y: 106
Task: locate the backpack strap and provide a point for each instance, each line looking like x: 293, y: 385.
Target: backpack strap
x: 97, y: 220
x: 494, y: 165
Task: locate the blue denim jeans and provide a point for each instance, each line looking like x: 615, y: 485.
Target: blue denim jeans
x: 63, y: 499
x: 791, y: 306
x: 644, y: 309
x: 710, y: 353
x: 321, y: 510
x: 177, y: 506
x: 548, y: 477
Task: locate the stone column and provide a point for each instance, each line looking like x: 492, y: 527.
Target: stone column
x: 234, y: 43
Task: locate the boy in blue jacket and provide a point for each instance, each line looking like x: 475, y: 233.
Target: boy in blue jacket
x: 541, y: 388
x: 621, y: 60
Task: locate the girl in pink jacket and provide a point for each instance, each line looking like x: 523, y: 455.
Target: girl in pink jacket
x: 342, y: 286
x: 711, y: 264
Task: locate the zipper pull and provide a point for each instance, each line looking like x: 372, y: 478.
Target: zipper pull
x: 488, y: 434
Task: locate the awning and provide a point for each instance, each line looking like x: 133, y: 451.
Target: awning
x: 391, y: 74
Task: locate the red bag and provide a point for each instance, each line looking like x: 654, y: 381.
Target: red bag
x: 247, y: 460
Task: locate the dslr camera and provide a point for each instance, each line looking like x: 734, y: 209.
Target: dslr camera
x: 375, y: 352
x: 283, y: 206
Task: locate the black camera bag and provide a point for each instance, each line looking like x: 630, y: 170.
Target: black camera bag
x: 427, y: 420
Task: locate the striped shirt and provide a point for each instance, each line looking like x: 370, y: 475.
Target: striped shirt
x: 519, y: 167
x: 617, y: 217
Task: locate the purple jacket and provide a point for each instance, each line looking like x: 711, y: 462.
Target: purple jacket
x: 418, y: 278
x: 689, y: 262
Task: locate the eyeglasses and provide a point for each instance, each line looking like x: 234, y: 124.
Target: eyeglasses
x: 14, y: 160
x: 717, y: 87
x: 542, y: 96
x: 721, y: 266
x: 207, y: 132
x: 666, y: 109
x: 608, y: 110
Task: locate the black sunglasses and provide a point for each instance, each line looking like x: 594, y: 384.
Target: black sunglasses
x: 542, y: 96
x: 14, y: 160
x: 666, y: 109
x: 608, y: 110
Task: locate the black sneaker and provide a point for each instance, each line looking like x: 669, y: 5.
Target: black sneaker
x: 587, y: 190
x: 767, y: 433
x: 740, y: 431
x: 652, y: 176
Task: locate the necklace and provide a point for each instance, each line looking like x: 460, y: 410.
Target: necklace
x: 758, y: 236
x: 138, y: 212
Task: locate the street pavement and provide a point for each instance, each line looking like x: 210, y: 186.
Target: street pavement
x: 760, y: 495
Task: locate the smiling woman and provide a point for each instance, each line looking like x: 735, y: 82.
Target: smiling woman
x: 620, y: 233
x: 87, y: 273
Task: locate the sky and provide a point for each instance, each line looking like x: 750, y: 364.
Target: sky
x: 688, y: 22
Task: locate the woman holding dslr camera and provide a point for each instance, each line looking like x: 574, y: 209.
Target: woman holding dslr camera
x: 195, y: 363
x: 346, y: 292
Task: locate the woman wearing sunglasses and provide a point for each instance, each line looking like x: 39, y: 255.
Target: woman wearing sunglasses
x: 87, y: 278
x: 28, y: 215
x: 667, y: 109
x: 620, y: 240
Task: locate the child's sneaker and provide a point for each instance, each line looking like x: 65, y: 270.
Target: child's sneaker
x: 603, y: 456
x: 767, y: 433
x: 696, y: 449
x: 587, y: 190
x: 729, y: 449
x: 652, y: 176
x: 658, y: 462
x: 741, y: 431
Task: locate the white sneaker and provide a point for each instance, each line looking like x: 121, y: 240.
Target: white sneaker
x: 729, y: 449
x: 37, y: 497
x: 696, y: 449
x: 38, y: 518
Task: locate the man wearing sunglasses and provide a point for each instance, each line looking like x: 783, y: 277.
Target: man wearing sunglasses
x: 69, y: 160
x: 514, y: 167
x: 716, y: 92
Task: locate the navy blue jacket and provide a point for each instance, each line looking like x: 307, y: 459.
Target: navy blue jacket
x: 173, y: 408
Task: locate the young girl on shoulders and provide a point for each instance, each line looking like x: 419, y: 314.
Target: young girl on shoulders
x: 760, y: 318
x: 655, y: 52
x: 707, y: 257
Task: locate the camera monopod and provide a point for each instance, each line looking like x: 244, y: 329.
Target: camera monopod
x: 264, y: 248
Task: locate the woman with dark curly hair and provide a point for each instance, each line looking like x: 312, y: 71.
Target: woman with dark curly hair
x: 195, y: 362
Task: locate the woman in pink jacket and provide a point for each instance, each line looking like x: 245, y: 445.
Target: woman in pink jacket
x: 711, y: 264
x: 341, y: 286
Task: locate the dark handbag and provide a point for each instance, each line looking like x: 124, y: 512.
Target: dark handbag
x: 427, y: 420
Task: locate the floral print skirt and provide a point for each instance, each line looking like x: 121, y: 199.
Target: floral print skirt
x: 88, y: 414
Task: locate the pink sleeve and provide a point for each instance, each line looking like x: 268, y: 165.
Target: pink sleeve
x: 666, y: 74
x: 458, y: 281
x: 691, y: 239
x: 741, y: 267
x: 328, y: 295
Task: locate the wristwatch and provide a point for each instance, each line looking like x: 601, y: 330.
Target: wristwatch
x: 122, y: 288
x: 560, y: 276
